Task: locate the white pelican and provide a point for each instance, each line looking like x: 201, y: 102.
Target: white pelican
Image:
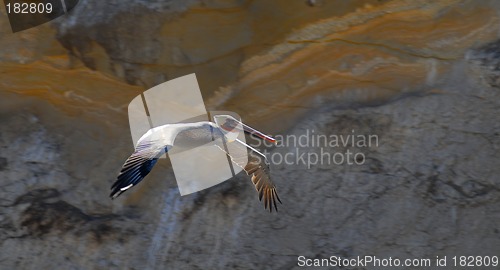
x: 159, y: 140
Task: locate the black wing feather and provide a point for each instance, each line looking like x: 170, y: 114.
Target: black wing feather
x: 257, y: 167
x: 136, y: 167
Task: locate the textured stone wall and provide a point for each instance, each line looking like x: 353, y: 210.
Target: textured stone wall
x: 421, y: 75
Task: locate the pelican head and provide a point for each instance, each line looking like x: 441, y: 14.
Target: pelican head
x: 231, y: 127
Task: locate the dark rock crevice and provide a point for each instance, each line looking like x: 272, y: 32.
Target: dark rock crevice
x: 46, y: 213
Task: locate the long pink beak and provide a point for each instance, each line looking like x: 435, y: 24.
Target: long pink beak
x: 230, y: 124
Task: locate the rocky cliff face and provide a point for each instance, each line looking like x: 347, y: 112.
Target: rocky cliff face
x: 422, y: 77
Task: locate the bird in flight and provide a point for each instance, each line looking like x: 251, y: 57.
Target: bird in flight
x: 157, y: 141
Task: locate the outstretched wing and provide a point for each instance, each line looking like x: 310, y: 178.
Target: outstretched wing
x: 137, y: 166
x: 256, y: 165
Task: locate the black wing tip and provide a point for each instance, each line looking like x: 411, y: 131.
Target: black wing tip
x: 131, y: 176
x: 270, y: 200
x: 116, y: 189
x: 277, y: 197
